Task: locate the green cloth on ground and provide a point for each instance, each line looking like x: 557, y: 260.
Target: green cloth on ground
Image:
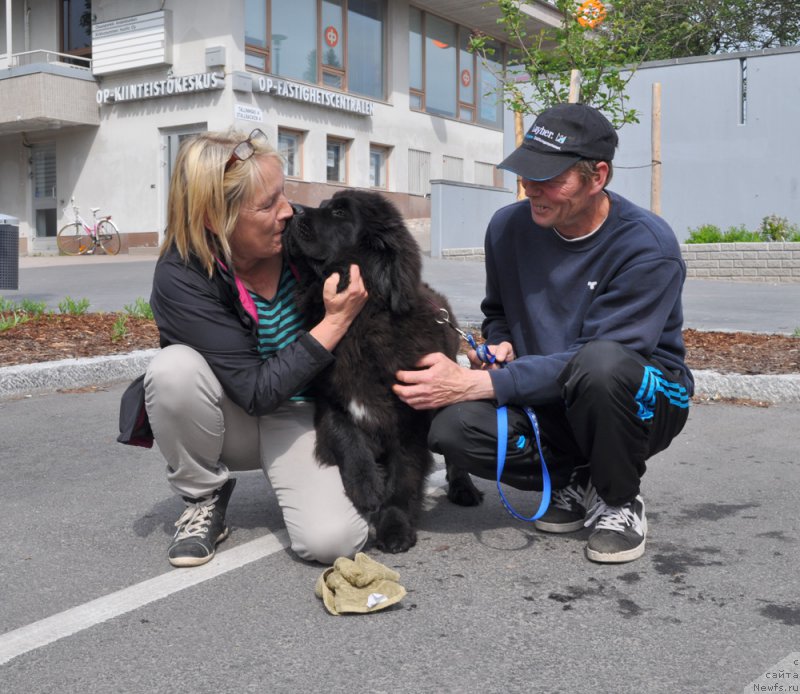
x: 359, y: 585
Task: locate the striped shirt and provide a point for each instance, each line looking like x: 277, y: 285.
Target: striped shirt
x: 279, y: 321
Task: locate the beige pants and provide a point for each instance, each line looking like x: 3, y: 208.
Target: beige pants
x: 203, y: 435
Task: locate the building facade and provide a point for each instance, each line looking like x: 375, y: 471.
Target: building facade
x: 96, y: 97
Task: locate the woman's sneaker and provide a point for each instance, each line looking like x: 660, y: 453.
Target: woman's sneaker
x: 618, y: 532
x: 567, y: 510
x: 201, y: 528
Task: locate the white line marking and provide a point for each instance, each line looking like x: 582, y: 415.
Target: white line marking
x: 71, y: 621
x: 63, y: 624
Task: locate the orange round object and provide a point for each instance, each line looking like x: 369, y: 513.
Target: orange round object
x: 591, y: 13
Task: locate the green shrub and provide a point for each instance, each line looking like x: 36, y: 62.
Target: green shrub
x: 139, y: 309
x: 10, y: 319
x: 740, y: 234
x: 774, y: 228
x: 33, y: 308
x: 120, y: 328
x: 72, y: 307
x: 707, y: 233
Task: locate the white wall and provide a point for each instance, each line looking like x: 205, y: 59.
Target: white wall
x: 715, y: 169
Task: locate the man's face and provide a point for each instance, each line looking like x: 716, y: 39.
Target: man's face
x: 567, y: 202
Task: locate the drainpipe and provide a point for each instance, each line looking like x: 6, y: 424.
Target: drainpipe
x: 8, y: 32
x: 27, y: 25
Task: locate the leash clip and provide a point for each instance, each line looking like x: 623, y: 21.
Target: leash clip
x: 481, y: 350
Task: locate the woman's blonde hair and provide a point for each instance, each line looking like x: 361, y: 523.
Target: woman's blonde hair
x: 204, y: 196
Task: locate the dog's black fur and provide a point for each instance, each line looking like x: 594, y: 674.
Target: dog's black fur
x: 378, y: 442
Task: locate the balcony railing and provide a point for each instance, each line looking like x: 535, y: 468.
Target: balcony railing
x: 42, y: 57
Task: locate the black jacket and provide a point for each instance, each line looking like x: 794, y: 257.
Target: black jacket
x: 216, y: 317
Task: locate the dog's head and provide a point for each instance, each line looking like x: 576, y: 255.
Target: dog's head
x: 361, y: 228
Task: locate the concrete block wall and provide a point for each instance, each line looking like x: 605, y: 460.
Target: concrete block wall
x: 751, y: 262
x: 748, y: 262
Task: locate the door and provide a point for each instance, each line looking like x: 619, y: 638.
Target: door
x: 43, y: 169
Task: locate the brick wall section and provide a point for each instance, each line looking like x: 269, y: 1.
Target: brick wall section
x: 751, y: 262
x: 748, y: 262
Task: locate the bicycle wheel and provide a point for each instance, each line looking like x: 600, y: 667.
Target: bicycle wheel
x: 108, y: 236
x: 73, y: 240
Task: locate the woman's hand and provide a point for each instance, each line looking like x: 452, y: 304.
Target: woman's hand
x: 341, y: 308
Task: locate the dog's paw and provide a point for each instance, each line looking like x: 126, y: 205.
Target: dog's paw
x: 394, y: 532
x: 461, y: 490
x: 366, y: 494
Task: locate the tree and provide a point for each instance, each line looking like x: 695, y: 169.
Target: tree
x: 680, y: 28
x: 607, y: 41
x: 603, y: 45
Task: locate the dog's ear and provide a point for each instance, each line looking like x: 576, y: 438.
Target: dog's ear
x: 395, y: 278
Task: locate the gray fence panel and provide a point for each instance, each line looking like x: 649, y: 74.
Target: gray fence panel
x: 460, y: 213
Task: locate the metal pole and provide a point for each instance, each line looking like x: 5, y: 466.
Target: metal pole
x: 519, y: 135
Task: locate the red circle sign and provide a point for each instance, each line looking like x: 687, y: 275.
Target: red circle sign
x: 466, y: 78
x: 331, y: 36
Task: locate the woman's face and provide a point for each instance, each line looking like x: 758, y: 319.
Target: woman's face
x: 262, y: 219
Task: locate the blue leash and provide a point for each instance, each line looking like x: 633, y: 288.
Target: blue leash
x: 502, y: 444
x: 487, y: 357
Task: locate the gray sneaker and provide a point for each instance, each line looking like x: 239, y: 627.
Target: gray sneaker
x: 201, y: 528
x: 619, y: 532
x: 567, y: 510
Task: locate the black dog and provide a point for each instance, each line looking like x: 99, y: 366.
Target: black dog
x: 378, y: 442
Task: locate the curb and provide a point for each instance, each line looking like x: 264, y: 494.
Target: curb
x: 31, y: 379
x: 44, y: 377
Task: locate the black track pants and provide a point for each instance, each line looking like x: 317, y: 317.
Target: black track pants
x: 618, y: 410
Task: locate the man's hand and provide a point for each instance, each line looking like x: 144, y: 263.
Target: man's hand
x: 503, y: 353
x: 439, y: 382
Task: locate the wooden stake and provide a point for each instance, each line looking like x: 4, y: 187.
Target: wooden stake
x: 519, y: 135
x: 574, y: 86
x: 655, y: 145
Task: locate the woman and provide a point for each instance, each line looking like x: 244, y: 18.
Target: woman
x: 225, y: 393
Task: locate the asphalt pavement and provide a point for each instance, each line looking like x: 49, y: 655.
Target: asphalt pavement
x: 90, y: 603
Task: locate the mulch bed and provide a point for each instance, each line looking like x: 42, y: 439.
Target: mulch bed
x: 58, y: 336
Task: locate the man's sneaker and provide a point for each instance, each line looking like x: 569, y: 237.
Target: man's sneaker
x: 567, y: 510
x: 200, y: 528
x: 618, y: 533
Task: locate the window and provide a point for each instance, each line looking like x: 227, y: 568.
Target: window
x: 334, y: 43
x: 289, y: 142
x: 337, y: 160
x: 485, y: 174
x: 419, y: 172
x: 441, y: 62
x: 445, y: 78
x: 378, y: 157
x: 453, y: 168
x: 76, y: 27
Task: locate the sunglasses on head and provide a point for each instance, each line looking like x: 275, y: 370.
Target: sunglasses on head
x: 245, y: 149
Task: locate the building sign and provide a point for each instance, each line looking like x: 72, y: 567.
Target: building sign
x: 170, y: 86
x: 314, y: 95
x: 130, y: 43
x: 331, y: 36
x: 247, y: 112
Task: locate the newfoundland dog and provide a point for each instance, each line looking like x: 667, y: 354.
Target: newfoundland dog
x: 378, y: 442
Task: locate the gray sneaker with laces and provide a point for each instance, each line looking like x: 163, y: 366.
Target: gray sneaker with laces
x: 201, y: 528
x: 618, y: 532
x: 567, y: 510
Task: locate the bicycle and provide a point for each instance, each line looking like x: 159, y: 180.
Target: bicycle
x: 79, y: 238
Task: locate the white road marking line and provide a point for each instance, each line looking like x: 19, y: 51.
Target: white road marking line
x: 71, y: 621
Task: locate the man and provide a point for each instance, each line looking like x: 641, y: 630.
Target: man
x: 583, y: 316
